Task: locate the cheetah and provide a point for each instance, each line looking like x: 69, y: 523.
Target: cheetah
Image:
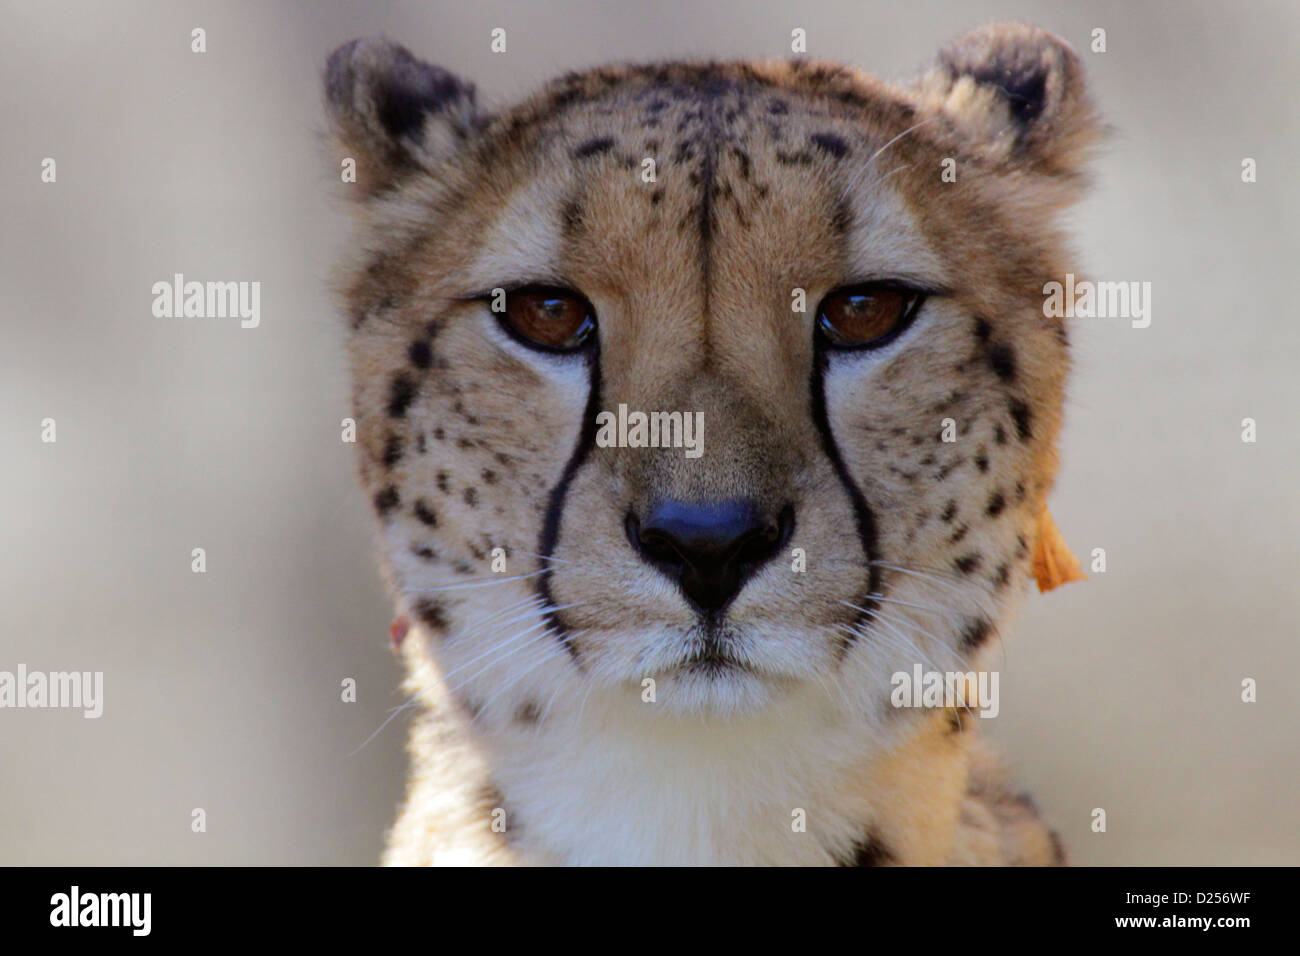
x: 623, y: 654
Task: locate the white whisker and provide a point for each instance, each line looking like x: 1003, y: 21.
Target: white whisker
x: 480, y: 583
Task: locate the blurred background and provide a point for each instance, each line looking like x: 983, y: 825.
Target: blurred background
x: 222, y: 689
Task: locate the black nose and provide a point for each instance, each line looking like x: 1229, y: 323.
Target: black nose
x: 710, y: 550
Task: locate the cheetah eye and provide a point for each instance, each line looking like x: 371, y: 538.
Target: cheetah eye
x: 547, y: 318
x: 866, y: 316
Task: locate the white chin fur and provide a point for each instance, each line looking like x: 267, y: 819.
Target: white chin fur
x: 708, y: 691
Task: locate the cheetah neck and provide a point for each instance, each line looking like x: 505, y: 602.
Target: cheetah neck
x: 792, y: 785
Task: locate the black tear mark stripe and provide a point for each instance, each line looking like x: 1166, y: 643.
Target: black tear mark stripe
x: 555, y: 503
x: 862, y: 513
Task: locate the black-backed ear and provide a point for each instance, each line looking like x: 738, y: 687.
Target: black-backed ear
x: 393, y: 113
x: 1018, y: 93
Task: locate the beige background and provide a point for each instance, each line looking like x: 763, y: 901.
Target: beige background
x: 223, y: 689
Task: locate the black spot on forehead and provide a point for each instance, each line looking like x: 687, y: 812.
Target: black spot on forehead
x: 831, y: 144
x: 743, y: 160
x: 593, y: 147
x: 571, y: 217
x: 794, y: 157
x: 842, y: 222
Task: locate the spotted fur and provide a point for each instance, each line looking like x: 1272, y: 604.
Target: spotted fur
x: 534, y: 742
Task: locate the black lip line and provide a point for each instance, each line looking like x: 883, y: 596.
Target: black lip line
x: 866, y: 519
x: 555, y: 505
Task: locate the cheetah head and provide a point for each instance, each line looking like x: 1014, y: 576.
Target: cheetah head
x: 837, y: 281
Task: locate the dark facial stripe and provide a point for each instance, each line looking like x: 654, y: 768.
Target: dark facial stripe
x: 707, y: 213
x: 555, y: 504
x: 866, y: 520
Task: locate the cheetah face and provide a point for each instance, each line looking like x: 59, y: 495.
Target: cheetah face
x: 838, y: 281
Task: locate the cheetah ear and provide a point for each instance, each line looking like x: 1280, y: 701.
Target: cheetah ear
x: 395, y: 114
x: 1018, y: 93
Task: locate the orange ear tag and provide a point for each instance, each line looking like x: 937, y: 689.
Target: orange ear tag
x: 1054, y: 562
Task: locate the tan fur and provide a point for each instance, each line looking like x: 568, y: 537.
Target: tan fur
x: 770, y: 177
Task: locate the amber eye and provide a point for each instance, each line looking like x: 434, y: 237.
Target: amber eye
x: 866, y: 316
x: 554, y: 320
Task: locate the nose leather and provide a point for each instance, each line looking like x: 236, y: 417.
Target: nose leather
x: 709, y: 549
